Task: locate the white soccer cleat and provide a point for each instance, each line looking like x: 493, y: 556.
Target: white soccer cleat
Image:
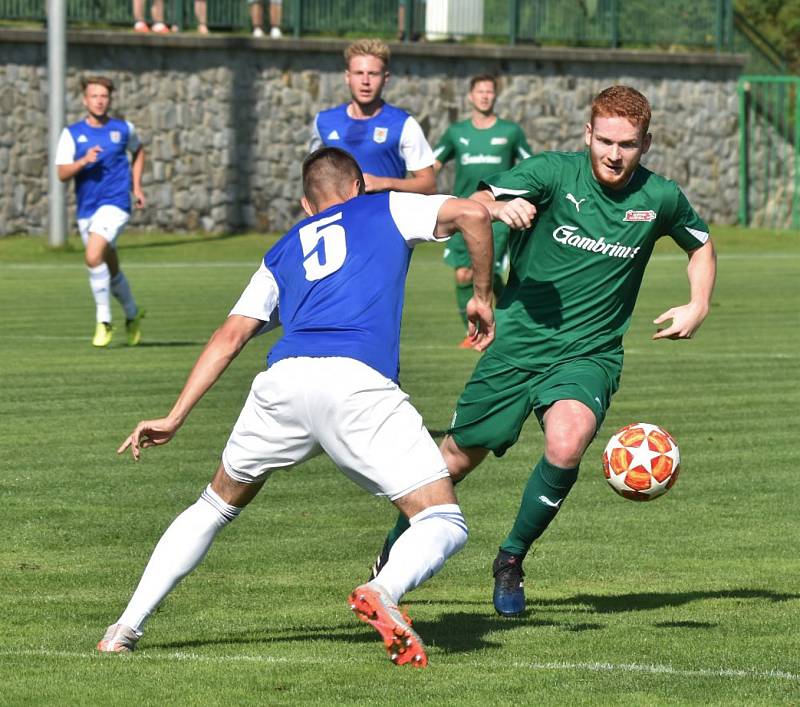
x: 118, y: 639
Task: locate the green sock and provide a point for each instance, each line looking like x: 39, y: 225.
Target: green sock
x: 463, y: 295
x: 400, y: 527
x: 544, y: 493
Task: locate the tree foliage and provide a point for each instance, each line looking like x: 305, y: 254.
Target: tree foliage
x: 779, y: 22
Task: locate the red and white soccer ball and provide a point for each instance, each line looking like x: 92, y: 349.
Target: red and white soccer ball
x: 641, y: 461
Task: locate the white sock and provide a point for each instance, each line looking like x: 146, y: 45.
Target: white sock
x: 100, y: 282
x: 434, y: 535
x: 122, y: 291
x: 181, y: 548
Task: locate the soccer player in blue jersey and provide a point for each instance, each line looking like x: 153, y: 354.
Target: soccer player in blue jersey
x: 336, y: 280
x: 387, y: 142
x: 93, y: 152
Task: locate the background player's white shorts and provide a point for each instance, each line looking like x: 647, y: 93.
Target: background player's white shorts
x: 108, y: 222
x: 301, y: 407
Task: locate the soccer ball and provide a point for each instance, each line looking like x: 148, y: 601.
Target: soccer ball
x: 641, y: 461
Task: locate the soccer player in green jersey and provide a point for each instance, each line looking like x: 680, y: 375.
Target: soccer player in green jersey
x: 482, y: 145
x: 583, y: 228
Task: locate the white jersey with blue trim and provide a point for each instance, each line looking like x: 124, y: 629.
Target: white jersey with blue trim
x: 338, y: 279
x: 388, y: 144
x: 108, y: 180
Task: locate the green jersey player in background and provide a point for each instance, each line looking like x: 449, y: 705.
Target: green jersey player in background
x: 586, y: 224
x: 482, y: 145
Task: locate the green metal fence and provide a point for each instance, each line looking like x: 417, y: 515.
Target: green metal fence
x: 769, y: 151
x: 614, y: 23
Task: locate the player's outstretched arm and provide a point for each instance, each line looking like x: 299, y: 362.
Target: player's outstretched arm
x: 472, y: 219
x: 223, y: 346
x: 517, y: 213
x: 422, y: 181
x: 686, y: 319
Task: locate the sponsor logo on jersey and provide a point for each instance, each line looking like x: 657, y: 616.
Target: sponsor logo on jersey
x: 568, y: 235
x: 380, y: 135
x: 333, y: 135
x: 499, y: 141
x: 632, y: 215
x: 467, y: 158
x: 115, y: 136
x: 463, y: 141
x: 575, y: 201
x: 83, y: 138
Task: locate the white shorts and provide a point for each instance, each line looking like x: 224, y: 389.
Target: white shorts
x: 108, y: 222
x: 301, y: 407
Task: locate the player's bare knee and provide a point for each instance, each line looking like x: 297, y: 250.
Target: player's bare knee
x: 460, y: 461
x: 235, y: 493
x: 464, y: 276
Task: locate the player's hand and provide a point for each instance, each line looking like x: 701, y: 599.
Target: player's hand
x: 480, y: 324
x: 686, y: 320
x: 149, y: 433
x: 517, y: 213
x: 92, y: 154
x: 138, y: 199
x: 373, y: 183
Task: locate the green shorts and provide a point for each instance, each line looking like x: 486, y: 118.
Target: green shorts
x: 499, y: 397
x: 457, y: 256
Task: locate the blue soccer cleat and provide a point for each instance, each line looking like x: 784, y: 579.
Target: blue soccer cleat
x: 509, y: 592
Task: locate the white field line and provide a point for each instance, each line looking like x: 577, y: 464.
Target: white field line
x: 737, y: 355
x: 254, y: 264
x: 181, y: 656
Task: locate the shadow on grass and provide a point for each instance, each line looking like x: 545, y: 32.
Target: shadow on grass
x: 463, y: 631
x: 620, y: 603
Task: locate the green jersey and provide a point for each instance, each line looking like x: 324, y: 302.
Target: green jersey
x: 479, y: 153
x: 576, y: 273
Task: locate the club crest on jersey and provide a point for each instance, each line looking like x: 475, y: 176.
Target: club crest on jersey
x: 380, y: 135
x: 632, y: 215
x: 115, y: 136
x: 499, y: 141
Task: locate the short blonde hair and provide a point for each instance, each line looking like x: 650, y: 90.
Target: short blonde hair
x: 368, y: 47
x: 103, y: 81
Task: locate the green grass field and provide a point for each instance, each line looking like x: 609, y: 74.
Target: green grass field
x: 693, y: 598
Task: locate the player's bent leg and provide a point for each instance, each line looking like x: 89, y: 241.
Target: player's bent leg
x: 459, y: 463
x: 436, y: 531
x: 569, y: 429
x: 460, y: 460
x: 181, y: 548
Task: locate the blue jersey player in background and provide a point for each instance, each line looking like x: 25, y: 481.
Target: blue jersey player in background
x: 336, y: 282
x: 387, y: 142
x: 93, y: 152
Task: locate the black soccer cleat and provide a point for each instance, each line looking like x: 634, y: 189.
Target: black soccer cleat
x: 509, y: 592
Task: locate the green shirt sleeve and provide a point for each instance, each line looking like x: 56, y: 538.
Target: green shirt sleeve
x: 445, y: 149
x: 533, y: 179
x: 686, y: 228
x: 522, y: 150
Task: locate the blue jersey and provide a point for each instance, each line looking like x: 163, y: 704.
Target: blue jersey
x: 107, y: 181
x: 341, y: 279
x: 374, y: 142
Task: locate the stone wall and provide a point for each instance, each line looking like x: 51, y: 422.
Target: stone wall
x: 225, y: 120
